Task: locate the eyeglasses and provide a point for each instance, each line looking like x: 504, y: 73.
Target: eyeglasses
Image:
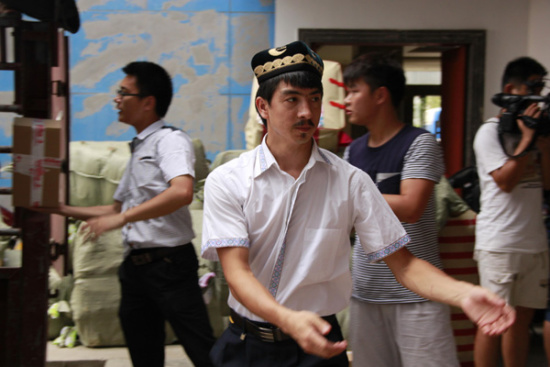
x: 122, y: 93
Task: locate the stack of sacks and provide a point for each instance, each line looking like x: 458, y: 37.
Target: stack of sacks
x: 58, y: 307
x: 96, y: 168
x: 95, y: 171
x: 96, y: 293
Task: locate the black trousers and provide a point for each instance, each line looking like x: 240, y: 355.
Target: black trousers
x: 232, y: 351
x: 164, y: 290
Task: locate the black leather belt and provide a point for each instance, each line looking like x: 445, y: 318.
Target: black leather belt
x: 265, y: 331
x: 148, y: 255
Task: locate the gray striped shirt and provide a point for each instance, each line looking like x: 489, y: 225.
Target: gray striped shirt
x: 374, y: 282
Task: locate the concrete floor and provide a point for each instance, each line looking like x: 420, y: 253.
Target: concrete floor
x: 81, y: 356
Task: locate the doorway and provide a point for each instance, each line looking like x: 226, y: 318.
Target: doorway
x: 462, y: 76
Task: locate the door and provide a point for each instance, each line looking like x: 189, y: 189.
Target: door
x: 463, y: 67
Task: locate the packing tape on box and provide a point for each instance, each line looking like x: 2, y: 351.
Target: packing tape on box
x: 35, y: 164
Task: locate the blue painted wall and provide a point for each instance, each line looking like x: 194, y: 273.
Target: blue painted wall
x: 206, y: 45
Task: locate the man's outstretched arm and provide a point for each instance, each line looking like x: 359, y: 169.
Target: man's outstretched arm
x: 491, y: 313
x: 82, y: 212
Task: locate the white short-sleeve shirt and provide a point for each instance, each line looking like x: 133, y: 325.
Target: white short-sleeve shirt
x: 160, y: 155
x: 250, y: 202
x: 507, y: 222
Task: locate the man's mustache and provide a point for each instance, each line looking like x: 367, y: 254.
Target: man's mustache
x: 304, y: 122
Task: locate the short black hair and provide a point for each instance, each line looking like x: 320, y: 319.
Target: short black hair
x: 152, y: 80
x: 378, y: 69
x: 299, y: 79
x: 519, y: 70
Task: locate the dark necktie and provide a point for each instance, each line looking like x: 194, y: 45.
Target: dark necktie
x: 133, y: 144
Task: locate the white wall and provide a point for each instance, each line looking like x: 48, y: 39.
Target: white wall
x: 539, y: 31
x: 514, y: 27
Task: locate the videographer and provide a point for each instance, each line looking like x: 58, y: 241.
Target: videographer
x: 511, y: 245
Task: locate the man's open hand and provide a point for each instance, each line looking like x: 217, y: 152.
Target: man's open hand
x: 492, y: 315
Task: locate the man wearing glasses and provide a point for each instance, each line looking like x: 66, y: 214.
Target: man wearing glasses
x: 511, y: 244
x: 158, y: 276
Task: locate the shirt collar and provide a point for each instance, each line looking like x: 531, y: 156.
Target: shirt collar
x: 265, y: 159
x: 150, y: 129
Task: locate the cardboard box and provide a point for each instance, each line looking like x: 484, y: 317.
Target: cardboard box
x: 36, y: 162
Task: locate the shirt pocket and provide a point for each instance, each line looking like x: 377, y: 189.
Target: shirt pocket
x: 323, y: 254
x: 146, y: 171
x: 499, y: 278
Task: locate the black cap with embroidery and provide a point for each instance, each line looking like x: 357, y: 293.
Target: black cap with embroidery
x: 292, y: 57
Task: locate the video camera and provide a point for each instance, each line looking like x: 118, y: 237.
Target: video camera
x: 515, y: 105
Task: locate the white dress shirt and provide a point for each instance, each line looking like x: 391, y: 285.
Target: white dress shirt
x: 250, y: 202
x: 160, y: 155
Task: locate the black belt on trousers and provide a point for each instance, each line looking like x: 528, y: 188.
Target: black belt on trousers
x: 148, y: 255
x: 265, y: 331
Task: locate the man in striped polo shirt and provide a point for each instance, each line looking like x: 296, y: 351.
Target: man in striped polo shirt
x: 392, y: 325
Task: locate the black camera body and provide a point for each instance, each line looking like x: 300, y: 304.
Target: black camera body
x: 515, y: 105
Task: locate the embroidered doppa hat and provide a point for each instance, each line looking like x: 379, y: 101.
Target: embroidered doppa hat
x: 292, y: 57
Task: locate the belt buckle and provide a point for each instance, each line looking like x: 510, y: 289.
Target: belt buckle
x: 266, y: 334
x: 141, y: 259
x: 263, y: 333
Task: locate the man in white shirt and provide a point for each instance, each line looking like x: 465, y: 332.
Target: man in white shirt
x: 513, y: 165
x: 158, y: 276
x: 279, y: 218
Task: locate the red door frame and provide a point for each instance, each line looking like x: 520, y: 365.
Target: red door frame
x: 453, y: 98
